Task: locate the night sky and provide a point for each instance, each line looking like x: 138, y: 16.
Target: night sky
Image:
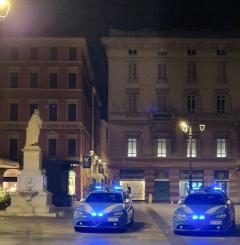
x: 93, y: 18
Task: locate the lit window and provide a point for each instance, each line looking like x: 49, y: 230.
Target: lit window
x: 221, y: 148
x: 161, y: 148
x: 132, y: 71
x: 191, y: 151
x: 132, y: 147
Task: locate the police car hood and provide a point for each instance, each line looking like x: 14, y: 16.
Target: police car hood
x: 202, y: 209
x: 101, y: 207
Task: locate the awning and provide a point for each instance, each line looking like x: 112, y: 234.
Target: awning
x: 6, y: 163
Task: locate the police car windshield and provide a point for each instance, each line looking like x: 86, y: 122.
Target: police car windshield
x: 105, y: 197
x: 204, y: 199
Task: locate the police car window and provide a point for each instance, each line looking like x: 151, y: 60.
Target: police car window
x: 105, y: 197
x: 206, y: 199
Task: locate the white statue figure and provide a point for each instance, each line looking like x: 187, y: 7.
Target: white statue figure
x: 33, y: 129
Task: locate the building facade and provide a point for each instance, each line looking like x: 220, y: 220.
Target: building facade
x: 155, y: 82
x: 54, y: 76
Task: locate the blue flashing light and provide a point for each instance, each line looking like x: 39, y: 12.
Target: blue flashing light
x: 194, y: 217
x: 98, y: 187
x: 196, y: 188
x: 100, y: 214
x: 201, y: 217
x: 118, y: 187
x: 94, y: 214
x: 216, y: 188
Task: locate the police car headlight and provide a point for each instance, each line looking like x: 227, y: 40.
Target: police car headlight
x: 180, y: 216
x: 78, y: 213
x: 118, y: 213
x: 221, y: 216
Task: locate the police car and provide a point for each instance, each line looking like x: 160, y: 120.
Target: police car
x: 104, y: 209
x: 208, y: 210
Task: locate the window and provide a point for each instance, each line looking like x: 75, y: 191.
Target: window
x: 221, y: 72
x: 191, y: 103
x: 14, y: 112
x: 53, y: 80
x: 13, y: 148
x: 132, y: 52
x: 53, y: 109
x: 162, y: 71
x: 34, y: 53
x: 161, y: 102
x: 192, y: 72
x: 72, y: 53
x: 14, y: 53
x: 14, y: 80
x: 72, y: 110
x: 32, y: 107
x: 72, y: 147
x: 72, y: 80
x: 221, y: 104
x: 221, y: 52
x: 132, y: 71
x: 162, y: 52
x: 132, y: 102
x: 161, y: 147
x: 53, y: 53
x: 52, y: 148
x: 33, y: 80
x: 132, y: 147
x: 191, y: 52
x: 221, y: 148
x: 193, y: 152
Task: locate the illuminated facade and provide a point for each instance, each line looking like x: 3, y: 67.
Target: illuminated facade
x: 154, y: 83
x: 53, y: 75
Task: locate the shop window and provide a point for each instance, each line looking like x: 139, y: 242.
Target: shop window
x: 132, y: 147
x: 71, y: 182
x: 221, y: 148
x: 161, y: 147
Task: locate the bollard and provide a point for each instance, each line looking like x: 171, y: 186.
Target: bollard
x: 150, y: 198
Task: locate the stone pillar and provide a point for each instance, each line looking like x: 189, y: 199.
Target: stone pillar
x: 234, y: 185
x: 174, y: 185
x: 149, y: 183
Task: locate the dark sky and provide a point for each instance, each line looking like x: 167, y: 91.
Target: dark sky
x: 93, y: 18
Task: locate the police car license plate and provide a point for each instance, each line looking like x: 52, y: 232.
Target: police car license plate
x: 215, y: 222
x: 112, y: 219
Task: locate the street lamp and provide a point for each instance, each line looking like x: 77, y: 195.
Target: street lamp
x: 187, y: 129
x: 4, y: 8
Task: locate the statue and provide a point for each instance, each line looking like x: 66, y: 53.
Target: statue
x: 33, y: 129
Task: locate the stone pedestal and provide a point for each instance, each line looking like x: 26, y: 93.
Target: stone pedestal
x: 32, y: 197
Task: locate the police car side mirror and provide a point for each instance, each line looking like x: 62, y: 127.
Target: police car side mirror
x: 82, y: 199
x: 180, y: 202
x: 228, y: 202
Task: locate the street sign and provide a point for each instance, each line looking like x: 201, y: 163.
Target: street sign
x: 87, y: 161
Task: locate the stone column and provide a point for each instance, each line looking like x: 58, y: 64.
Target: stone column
x: 149, y: 184
x: 174, y: 185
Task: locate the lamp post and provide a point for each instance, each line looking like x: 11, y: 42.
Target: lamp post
x: 187, y: 129
x: 4, y: 8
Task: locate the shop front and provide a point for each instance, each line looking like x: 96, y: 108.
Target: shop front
x: 133, y: 178
x: 197, y: 181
